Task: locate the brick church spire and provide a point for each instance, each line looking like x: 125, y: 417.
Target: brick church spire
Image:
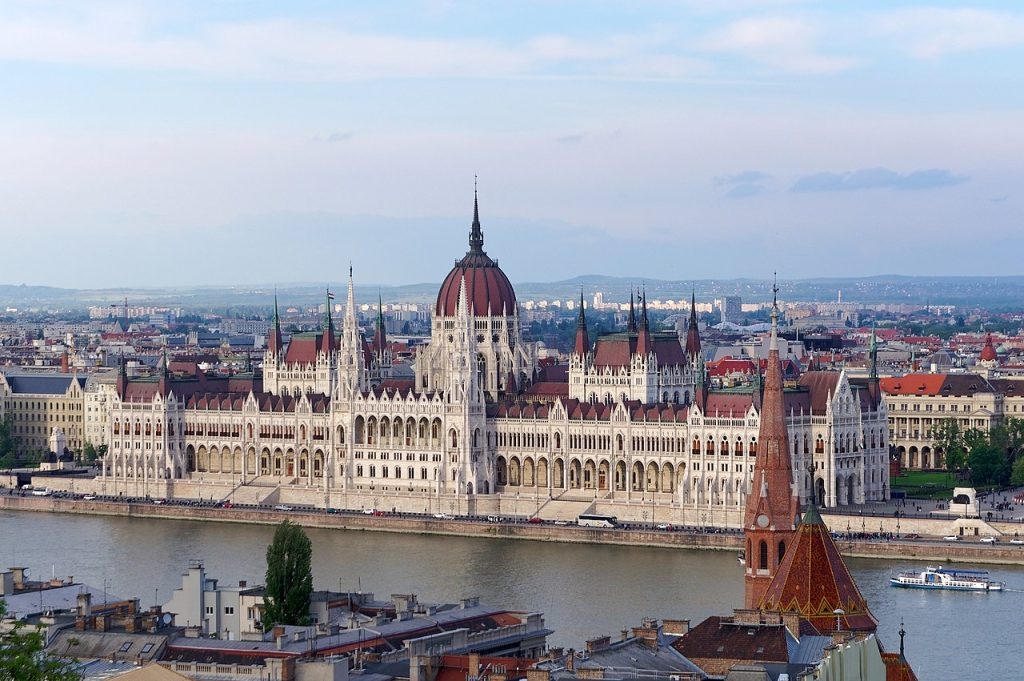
x: 770, y: 518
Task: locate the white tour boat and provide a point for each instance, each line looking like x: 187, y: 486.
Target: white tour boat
x: 951, y: 579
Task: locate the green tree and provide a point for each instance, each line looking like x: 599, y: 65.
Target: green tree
x: 289, y: 577
x: 7, y: 436
x: 91, y: 452
x: 946, y: 435
x: 988, y: 467
x: 1008, y: 438
x: 22, y: 656
x: 1017, y: 475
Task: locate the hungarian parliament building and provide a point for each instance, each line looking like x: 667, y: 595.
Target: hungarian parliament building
x: 629, y: 427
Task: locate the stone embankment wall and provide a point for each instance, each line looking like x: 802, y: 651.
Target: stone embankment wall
x: 924, y: 549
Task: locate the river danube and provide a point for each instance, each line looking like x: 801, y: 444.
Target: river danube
x: 583, y: 590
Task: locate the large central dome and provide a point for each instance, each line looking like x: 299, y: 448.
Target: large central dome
x: 488, y: 290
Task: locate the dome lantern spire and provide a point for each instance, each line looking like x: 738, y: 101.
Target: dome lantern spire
x: 476, y: 235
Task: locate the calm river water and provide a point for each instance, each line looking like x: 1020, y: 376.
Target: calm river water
x: 583, y: 590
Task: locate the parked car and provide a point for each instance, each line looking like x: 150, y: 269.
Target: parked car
x: 912, y: 535
x: 535, y: 520
x: 989, y: 540
x: 951, y: 537
x: 1017, y: 541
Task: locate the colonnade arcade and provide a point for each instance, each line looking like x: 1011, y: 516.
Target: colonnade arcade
x: 925, y: 458
x: 277, y: 461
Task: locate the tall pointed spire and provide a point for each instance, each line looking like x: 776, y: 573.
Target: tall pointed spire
x: 644, y: 345
x: 692, y: 333
x: 380, y: 337
x: 274, y: 343
x: 582, y: 346
x: 476, y: 235
x: 163, y: 383
x: 350, y: 303
x: 631, y: 322
x: 122, y: 376
x: 329, y: 343
x: 771, y: 509
x: 873, y: 352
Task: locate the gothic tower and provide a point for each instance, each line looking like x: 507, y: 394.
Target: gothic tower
x: 770, y: 518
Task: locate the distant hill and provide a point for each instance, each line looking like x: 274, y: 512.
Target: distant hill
x: 981, y: 292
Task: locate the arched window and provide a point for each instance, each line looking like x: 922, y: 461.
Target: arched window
x: 782, y: 550
x: 763, y: 555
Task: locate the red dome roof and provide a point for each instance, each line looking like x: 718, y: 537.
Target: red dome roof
x: 488, y: 290
x: 988, y: 353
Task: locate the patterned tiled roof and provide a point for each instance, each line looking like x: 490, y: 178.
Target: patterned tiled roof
x: 897, y: 668
x: 813, y: 581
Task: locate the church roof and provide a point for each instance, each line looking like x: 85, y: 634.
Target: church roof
x: 813, y: 581
x: 897, y: 668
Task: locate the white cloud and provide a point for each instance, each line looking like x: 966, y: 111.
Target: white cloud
x: 931, y: 32
x: 785, y: 43
x: 321, y: 50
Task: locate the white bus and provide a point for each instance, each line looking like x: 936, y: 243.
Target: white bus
x: 596, y: 520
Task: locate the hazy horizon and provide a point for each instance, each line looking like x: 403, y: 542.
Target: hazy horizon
x: 156, y: 145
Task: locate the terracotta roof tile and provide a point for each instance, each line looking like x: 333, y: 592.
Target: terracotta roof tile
x: 813, y: 580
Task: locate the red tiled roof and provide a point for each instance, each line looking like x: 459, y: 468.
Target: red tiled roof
x: 936, y: 384
x: 718, y: 643
x: 302, y: 348
x: 549, y: 389
x: 456, y: 667
x: 728, y: 366
x: 727, y: 404
x: 820, y: 385
x: 617, y: 349
x: 897, y: 668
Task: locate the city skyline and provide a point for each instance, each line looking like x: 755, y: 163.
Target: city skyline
x: 207, y: 145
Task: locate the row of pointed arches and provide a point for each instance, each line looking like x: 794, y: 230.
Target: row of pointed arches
x: 586, y: 474
x: 384, y: 431
x: 277, y: 461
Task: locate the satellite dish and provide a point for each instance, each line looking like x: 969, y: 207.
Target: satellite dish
x: 27, y: 572
x: 167, y: 619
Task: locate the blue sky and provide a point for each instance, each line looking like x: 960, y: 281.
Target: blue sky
x: 239, y: 142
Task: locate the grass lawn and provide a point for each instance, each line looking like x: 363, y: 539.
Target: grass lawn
x: 926, y: 484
